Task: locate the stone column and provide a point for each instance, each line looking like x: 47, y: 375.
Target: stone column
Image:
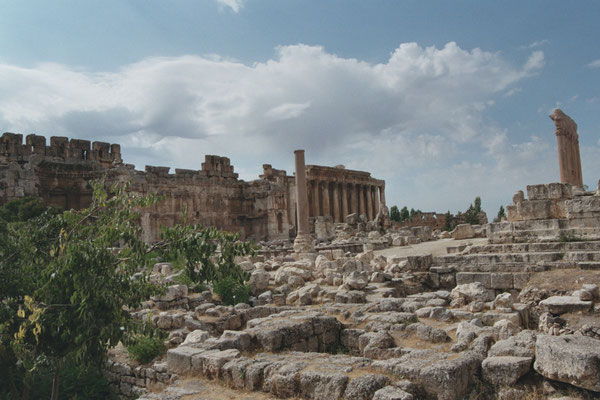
x: 344, y: 201
x: 326, y: 207
x: 315, y: 201
x: 301, y: 195
x: 569, y: 159
x: 303, y: 242
x: 369, y: 204
x: 578, y: 162
x: 382, y: 194
x: 336, y: 203
x: 361, y: 199
x: 376, y: 200
x: 354, y: 189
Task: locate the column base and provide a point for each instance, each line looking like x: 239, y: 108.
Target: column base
x: 304, y: 244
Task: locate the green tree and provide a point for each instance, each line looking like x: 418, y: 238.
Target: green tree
x: 477, y: 205
x: 449, y: 223
x: 395, y: 214
x: 501, y: 214
x: 404, y: 214
x: 472, y: 213
x: 67, y: 281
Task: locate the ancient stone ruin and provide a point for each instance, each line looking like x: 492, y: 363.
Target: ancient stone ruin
x: 263, y: 209
x: 507, y: 310
x: 569, y: 160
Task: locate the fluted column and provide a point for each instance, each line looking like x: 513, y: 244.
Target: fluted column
x: 344, y: 201
x: 326, y: 208
x: 355, y: 202
x: 336, y: 202
x: 382, y: 194
x: 569, y: 159
x: 361, y: 199
x: 369, y: 204
x: 376, y: 199
x: 315, y: 199
x: 301, y: 196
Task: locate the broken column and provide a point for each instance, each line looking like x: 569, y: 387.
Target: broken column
x: 569, y: 160
x: 304, y: 241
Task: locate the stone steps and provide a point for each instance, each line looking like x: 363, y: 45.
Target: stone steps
x: 498, y: 258
x: 534, y: 247
x: 590, y: 265
x: 582, y: 256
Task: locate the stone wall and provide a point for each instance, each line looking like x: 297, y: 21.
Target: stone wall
x: 263, y: 209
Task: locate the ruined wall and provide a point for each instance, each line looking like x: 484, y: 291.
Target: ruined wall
x: 430, y: 219
x: 60, y: 173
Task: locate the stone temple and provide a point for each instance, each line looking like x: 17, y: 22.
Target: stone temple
x: 263, y: 209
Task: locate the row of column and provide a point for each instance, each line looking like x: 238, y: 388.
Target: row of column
x: 338, y: 200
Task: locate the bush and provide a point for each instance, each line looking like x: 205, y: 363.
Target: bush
x: 77, y: 382
x: 146, y: 348
x: 232, y: 291
x: 566, y: 237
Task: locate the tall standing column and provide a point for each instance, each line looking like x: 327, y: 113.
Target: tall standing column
x: 569, y: 159
x: 369, y: 204
x: 301, y: 195
x: 303, y: 242
x: 376, y: 201
x: 382, y: 194
x: 336, y: 203
x: 344, y: 201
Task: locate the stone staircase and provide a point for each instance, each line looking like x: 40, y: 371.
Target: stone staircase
x: 544, y: 230
x: 508, y: 266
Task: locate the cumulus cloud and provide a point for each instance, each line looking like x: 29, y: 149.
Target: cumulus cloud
x: 420, y: 115
x: 235, y: 5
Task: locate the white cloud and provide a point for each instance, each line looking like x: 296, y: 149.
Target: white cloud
x: 418, y: 116
x: 537, y: 43
x: 235, y: 5
x: 594, y: 64
x: 535, y: 61
x: 287, y: 111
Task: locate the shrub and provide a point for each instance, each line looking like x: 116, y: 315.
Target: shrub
x: 232, y: 291
x: 146, y: 348
x: 569, y: 237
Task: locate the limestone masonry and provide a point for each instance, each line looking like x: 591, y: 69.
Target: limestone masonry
x: 262, y: 209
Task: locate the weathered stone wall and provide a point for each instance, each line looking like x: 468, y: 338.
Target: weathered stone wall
x: 262, y: 209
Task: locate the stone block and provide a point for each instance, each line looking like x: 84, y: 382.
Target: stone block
x: 501, y: 281
x: 179, y: 359
x: 449, y: 379
x: 505, y: 370
x: 463, y: 231
x: 570, y: 358
x: 520, y: 279
x: 322, y: 384
x: 565, y: 304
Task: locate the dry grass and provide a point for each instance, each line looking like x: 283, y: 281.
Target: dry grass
x: 563, y: 279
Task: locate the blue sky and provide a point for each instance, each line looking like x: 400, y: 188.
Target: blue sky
x: 445, y: 100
